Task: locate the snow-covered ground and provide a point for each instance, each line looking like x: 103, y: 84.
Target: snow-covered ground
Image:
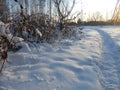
x: 92, y: 63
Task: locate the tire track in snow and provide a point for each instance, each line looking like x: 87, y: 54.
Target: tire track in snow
x: 108, y: 66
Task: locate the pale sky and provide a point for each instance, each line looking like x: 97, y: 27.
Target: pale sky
x: 105, y: 7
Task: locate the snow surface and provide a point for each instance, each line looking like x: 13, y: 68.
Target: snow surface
x: 92, y: 63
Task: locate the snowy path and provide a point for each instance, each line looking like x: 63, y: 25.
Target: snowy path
x: 92, y: 63
x: 109, y: 65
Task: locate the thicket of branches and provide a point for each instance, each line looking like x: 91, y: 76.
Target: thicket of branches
x: 29, y: 23
x: 33, y: 24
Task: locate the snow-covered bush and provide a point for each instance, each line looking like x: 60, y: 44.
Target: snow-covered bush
x: 39, y: 27
x: 8, y: 41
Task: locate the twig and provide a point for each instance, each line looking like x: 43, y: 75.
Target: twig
x: 4, y: 58
x: 2, y: 65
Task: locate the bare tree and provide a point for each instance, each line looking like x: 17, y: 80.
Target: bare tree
x: 26, y: 6
x: 96, y: 16
x: 50, y: 5
x: 41, y: 6
x: 63, y: 11
x: 3, y: 10
x: 116, y: 13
